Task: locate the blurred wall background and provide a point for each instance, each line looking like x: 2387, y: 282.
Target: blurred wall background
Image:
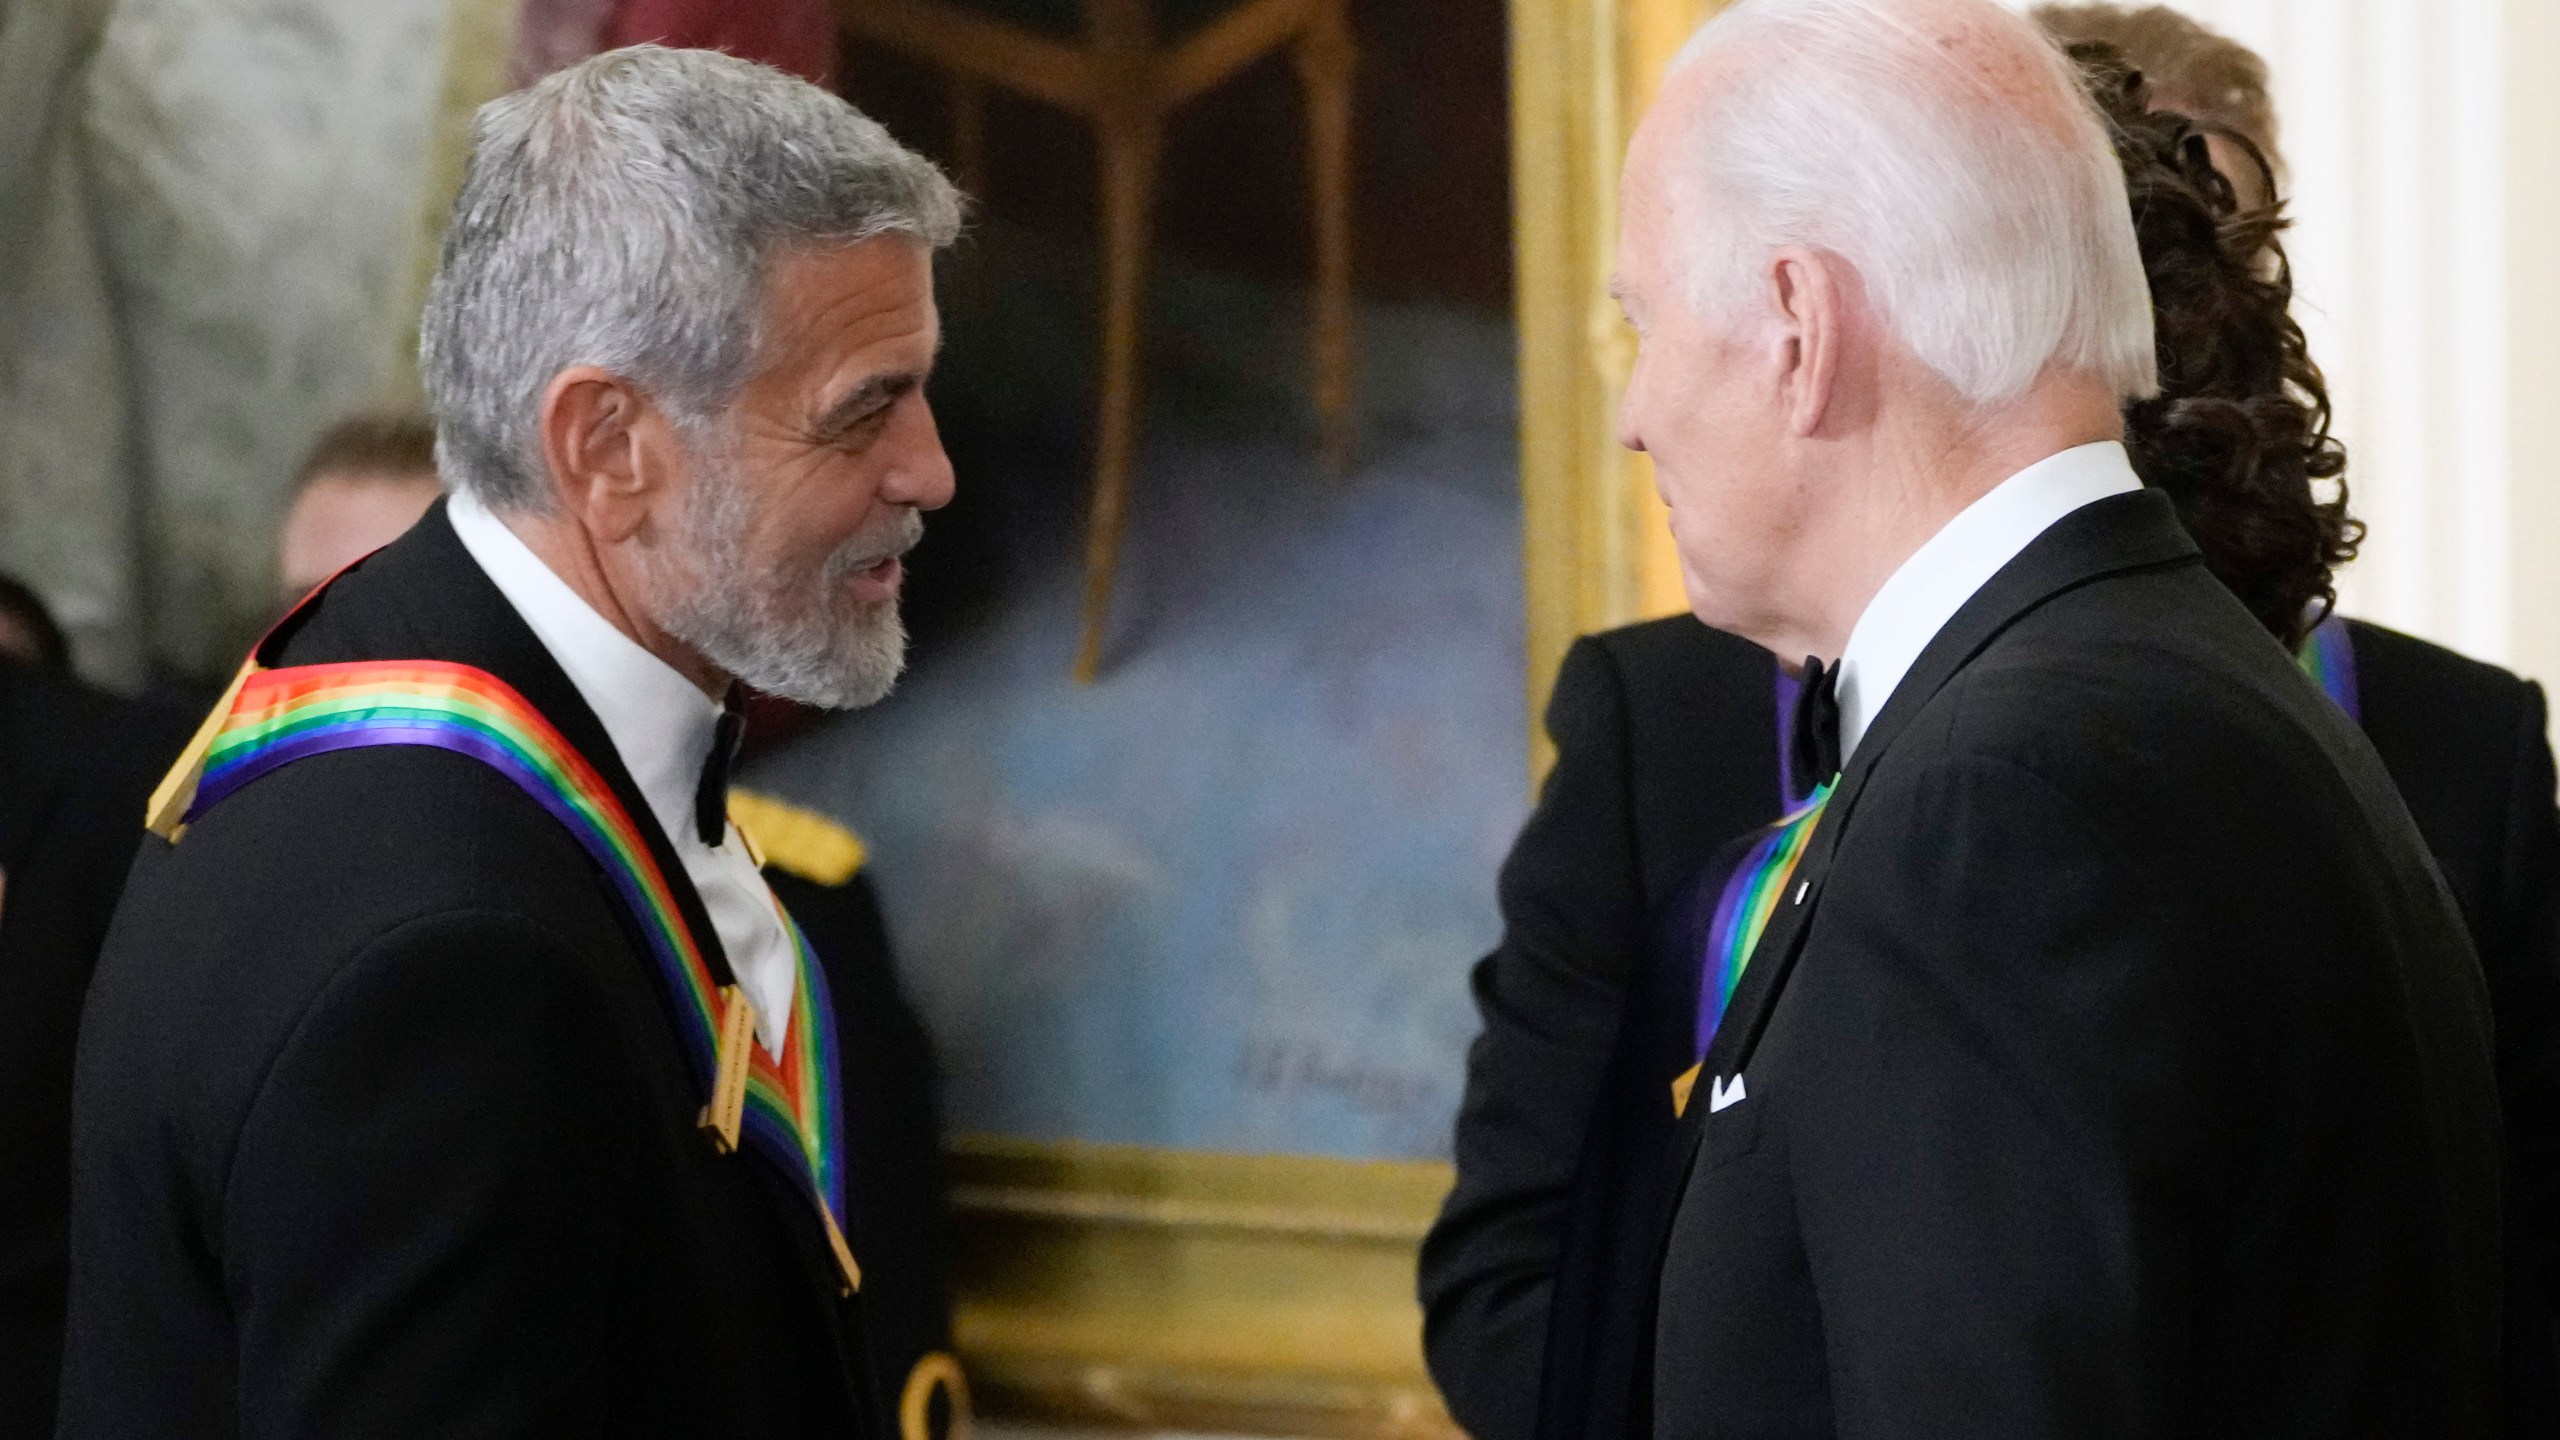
x: 209, y: 251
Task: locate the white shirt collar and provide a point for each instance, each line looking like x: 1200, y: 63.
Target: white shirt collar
x: 661, y: 723
x: 662, y: 727
x: 1918, y: 600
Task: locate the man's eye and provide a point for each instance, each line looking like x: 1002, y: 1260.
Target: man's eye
x: 861, y: 428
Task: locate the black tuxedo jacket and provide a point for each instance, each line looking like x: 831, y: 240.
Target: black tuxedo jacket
x: 2118, y: 1064
x: 381, y: 1126
x: 1666, y: 748
x: 1679, y: 717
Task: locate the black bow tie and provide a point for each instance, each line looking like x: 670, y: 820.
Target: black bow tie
x: 1814, y: 734
x: 711, y: 798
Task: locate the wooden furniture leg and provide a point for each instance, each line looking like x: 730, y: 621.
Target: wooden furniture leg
x: 1118, y: 78
x: 1326, y: 61
x: 1131, y: 146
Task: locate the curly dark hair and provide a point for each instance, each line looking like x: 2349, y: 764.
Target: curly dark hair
x: 2238, y: 437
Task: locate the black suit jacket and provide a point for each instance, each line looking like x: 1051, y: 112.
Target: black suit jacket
x: 2119, y: 1064
x: 1680, y: 715
x: 2468, y: 746
x: 1666, y: 748
x: 75, y: 768
x: 381, y: 1126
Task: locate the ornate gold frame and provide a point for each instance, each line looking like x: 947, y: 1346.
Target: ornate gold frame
x: 1123, y: 1285
x: 1595, y: 549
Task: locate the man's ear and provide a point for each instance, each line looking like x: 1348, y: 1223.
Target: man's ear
x: 1805, y: 290
x: 595, y: 427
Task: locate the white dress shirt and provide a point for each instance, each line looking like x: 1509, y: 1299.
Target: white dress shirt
x: 1919, y: 599
x: 661, y: 725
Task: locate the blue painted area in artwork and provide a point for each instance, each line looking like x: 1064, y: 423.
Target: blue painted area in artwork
x: 1226, y: 898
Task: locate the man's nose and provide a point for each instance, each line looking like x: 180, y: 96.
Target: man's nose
x: 1628, y: 434
x: 920, y: 474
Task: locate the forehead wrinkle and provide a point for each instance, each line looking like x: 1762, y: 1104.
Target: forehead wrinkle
x: 806, y: 322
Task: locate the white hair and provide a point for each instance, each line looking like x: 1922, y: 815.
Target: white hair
x: 1995, y: 247
x: 620, y: 213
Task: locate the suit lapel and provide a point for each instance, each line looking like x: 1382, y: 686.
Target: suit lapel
x: 2134, y: 531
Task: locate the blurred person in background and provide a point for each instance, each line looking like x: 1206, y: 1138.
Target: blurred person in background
x: 2219, y: 84
x: 2466, y: 742
x: 892, y: 1085
x: 28, y: 633
x: 366, y: 481
x: 76, y: 765
x: 796, y: 37
x: 1673, y: 741
x: 446, y: 977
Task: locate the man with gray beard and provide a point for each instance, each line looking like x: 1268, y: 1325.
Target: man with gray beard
x: 450, y: 1068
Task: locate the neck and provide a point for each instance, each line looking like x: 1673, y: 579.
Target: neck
x: 1910, y: 477
x: 573, y: 554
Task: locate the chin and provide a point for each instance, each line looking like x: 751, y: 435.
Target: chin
x: 1731, y: 613
x: 1705, y: 601
x: 853, y: 661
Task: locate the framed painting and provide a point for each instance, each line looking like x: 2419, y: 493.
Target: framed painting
x: 1193, y: 938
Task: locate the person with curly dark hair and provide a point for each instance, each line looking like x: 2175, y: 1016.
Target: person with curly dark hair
x: 2238, y: 436
x: 1673, y: 756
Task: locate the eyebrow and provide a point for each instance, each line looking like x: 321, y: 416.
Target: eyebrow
x: 862, y: 401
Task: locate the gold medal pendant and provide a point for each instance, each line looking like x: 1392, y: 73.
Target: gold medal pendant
x: 728, y: 1105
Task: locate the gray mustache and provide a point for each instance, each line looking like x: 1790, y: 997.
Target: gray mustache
x: 864, y: 551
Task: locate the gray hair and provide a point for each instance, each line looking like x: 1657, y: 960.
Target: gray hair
x: 1994, y: 246
x: 621, y: 213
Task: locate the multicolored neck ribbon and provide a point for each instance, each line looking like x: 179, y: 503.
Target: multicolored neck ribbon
x: 1753, y: 891
x: 789, y: 1110
x: 2328, y: 656
x: 1750, y: 896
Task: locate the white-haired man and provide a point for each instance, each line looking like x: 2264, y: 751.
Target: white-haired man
x: 2098, y: 1053
x: 451, y: 1071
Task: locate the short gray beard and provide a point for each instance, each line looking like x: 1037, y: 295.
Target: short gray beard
x: 796, y: 635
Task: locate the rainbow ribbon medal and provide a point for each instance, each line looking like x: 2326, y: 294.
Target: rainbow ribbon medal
x: 2328, y: 656
x: 1750, y: 896
x: 790, y: 1109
